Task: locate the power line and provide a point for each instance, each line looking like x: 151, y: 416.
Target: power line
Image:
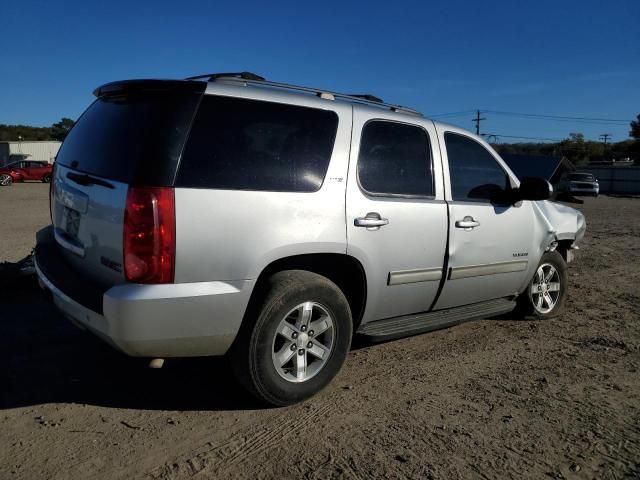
x: 497, y: 135
x: 559, y: 117
x: 452, y: 114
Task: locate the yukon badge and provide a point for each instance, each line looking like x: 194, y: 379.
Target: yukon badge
x: 521, y: 254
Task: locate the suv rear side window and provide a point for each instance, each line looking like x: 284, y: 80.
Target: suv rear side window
x: 395, y: 159
x: 240, y: 144
x: 475, y: 174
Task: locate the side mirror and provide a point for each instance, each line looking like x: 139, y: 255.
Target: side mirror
x: 533, y: 188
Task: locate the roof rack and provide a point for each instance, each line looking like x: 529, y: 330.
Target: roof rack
x: 367, y: 96
x: 241, y: 75
x: 249, y: 78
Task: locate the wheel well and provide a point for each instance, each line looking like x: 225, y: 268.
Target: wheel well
x: 563, y: 247
x: 343, y: 270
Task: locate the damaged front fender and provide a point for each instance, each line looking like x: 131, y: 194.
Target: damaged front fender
x: 562, y: 222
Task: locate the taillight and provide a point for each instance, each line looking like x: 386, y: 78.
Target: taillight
x: 149, y: 235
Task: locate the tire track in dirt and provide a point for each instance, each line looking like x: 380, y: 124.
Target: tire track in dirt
x: 243, y: 445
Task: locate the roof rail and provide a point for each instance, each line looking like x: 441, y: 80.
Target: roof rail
x: 248, y: 78
x: 367, y: 96
x: 242, y: 75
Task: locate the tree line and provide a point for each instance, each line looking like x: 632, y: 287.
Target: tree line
x: 580, y: 151
x: 575, y: 148
x: 58, y: 131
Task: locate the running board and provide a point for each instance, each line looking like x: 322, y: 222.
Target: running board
x: 396, y: 327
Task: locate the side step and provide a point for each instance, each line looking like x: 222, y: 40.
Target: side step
x: 396, y: 327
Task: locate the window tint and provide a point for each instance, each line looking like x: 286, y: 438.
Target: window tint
x: 253, y: 145
x: 395, y: 159
x: 475, y: 174
x: 133, y: 138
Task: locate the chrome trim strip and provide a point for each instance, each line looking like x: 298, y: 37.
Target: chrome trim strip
x: 488, y: 269
x: 414, y: 276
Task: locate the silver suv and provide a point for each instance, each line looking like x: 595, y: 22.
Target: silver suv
x: 579, y: 183
x: 229, y: 215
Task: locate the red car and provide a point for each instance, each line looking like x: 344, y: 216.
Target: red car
x: 25, y: 170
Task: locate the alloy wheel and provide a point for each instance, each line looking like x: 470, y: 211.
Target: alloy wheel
x: 303, y: 342
x: 545, y: 288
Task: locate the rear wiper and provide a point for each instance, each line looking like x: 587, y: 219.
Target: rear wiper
x: 85, y: 180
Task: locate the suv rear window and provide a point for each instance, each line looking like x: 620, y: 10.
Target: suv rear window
x: 241, y: 144
x: 133, y: 138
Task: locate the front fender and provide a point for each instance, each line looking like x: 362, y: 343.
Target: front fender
x: 563, y: 222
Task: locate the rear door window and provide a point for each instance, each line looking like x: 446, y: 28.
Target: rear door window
x: 242, y: 144
x: 395, y: 159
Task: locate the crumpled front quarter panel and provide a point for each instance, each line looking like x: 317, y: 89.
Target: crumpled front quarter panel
x: 561, y: 219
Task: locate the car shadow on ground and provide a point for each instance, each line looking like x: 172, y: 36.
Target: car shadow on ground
x: 45, y: 359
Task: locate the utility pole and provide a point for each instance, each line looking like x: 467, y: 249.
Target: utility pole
x: 477, y: 120
x: 605, y: 137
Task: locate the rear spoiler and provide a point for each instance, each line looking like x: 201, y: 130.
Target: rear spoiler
x: 124, y: 87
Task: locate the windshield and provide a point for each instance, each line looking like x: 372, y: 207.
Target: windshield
x: 583, y: 177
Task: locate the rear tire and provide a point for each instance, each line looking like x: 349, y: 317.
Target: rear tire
x: 545, y: 294
x: 46, y: 178
x: 6, y: 180
x: 298, y: 342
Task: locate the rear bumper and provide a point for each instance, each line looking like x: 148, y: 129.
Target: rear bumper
x: 172, y: 320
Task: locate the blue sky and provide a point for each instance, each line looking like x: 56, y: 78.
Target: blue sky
x: 564, y: 57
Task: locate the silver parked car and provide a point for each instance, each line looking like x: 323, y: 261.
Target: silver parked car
x: 579, y: 183
x: 226, y: 214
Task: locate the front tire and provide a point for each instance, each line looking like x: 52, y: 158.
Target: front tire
x: 546, y: 292
x: 298, y: 342
x: 6, y: 180
x: 46, y: 178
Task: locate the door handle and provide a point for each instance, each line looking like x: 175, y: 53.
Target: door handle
x: 468, y: 223
x: 371, y: 221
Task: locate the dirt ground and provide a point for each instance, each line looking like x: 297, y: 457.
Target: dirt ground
x: 24, y: 209
x: 488, y: 399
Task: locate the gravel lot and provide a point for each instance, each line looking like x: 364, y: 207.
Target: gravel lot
x: 24, y: 209
x: 488, y: 399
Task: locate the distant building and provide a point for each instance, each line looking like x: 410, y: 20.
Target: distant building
x: 548, y: 167
x: 623, y: 162
x: 44, y: 151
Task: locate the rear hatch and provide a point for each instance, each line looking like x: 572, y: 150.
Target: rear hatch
x: 132, y: 135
